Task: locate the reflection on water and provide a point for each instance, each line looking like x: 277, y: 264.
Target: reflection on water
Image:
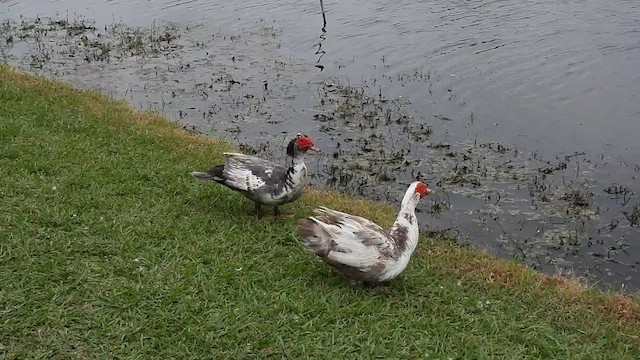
x: 523, y: 115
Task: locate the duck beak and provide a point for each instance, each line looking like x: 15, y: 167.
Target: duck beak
x: 314, y: 148
x: 426, y: 192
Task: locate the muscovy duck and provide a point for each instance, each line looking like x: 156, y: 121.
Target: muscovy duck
x: 360, y: 249
x: 261, y: 180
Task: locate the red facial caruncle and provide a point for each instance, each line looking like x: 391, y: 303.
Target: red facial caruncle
x: 422, y: 189
x: 305, y: 143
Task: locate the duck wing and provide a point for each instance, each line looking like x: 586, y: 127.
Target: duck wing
x: 250, y: 173
x: 354, y: 233
x: 331, y: 216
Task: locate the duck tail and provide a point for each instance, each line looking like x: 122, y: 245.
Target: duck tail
x: 327, y: 215
x: 315, y: 237
x: 214, y: 174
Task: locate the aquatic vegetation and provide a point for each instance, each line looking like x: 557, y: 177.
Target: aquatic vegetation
x: 578, y: 197
x: 633, y: 216
x: 79, y: 38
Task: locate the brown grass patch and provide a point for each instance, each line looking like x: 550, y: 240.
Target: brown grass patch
x: 571, y: 287
x: 620, y: 307
x: 507, y: 274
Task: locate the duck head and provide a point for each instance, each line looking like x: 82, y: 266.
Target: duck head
x: 416, y: 191
x: 300, y: 144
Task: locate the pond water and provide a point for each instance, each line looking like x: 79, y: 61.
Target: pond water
x: 523, y: 116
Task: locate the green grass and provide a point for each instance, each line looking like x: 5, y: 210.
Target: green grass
x: 110, y: 249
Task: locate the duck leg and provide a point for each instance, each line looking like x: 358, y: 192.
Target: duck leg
x: 258, y: 206
x: 276, y: 212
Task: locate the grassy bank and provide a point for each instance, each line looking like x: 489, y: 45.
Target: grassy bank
x: 108, y: 248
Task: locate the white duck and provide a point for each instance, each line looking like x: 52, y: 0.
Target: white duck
x: 261, y: 180
x: 360, y: 249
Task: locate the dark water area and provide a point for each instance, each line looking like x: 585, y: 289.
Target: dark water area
x: 524, y: 116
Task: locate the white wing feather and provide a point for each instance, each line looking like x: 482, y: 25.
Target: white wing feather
x: 239, y: 176
x: 349, y: 250
x: 356, y: 222
x: 355, y: 229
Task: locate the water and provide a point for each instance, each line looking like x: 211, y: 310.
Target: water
x: 522, y: 115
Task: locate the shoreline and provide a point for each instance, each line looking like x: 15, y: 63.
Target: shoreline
x: 572, y: 212
x: 110, y: 127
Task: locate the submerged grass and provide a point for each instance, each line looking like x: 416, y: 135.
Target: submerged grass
x: 110, y: 249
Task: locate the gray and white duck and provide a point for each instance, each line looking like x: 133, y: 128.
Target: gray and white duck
x: 263, y: 181
x: 358, y: 248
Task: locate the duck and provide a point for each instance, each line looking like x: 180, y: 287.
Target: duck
x: 263, y: 181
x: 360, y: 249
